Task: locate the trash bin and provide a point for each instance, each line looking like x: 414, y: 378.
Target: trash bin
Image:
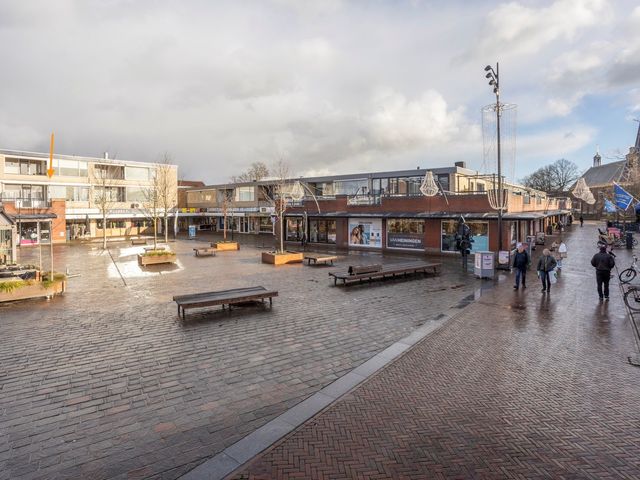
x: 484, y: 265
x: 629, y: 240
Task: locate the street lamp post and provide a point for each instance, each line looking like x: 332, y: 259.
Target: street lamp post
x: 494, y: 80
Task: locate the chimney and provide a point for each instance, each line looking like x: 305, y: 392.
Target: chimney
x: 106, y: 155
x: 460, y: 164
x: 597, y: 159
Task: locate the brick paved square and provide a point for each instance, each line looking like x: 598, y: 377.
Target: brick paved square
x: 107, y: 382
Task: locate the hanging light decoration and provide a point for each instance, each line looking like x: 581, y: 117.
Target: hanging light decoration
x: 581, y: 191
x: 497, y: 201
x: 297, y: 192
x: 429, y: 188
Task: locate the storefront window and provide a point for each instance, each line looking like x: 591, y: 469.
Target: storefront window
x: 266, y: 225
x: 405, y: 233
x: 294, y: 229
x: 479, y: 235
x: 322, y: 231
x: 28, y: 233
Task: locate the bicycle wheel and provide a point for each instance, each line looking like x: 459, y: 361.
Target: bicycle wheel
x: 635, y: 242
x: 627, y: 275
x: 632, y: 299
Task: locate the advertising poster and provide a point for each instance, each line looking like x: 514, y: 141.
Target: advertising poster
x: 365, y: 233
x: 487, y: 261
x: 192, y: 231
x: 405, y: 240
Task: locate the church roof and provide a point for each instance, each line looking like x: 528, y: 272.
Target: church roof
x: 604, y: 175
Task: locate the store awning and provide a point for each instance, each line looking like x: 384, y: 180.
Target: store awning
x: 443, y: 215
x: 35, y: 216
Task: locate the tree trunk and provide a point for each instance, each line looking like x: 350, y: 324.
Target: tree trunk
x: 104, y: 230
x: 155, y: 233
x: 281, y: 231
x: 166, y: 228
x: 224, y: 228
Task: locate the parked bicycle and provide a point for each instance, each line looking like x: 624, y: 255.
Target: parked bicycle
x: 628, y: 274
x: 632, y: 298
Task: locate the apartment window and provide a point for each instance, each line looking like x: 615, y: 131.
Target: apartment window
x: 70, y: 194
x: 110, y: 172
x: 12, y: 191
x: 136, y: 194
x: 443, y: 181
x: 67, y: 168
x: 12, y: 166
x: 21, y: 166
x: 137, y: 173
x: 244, y: 194
x: 526, y: 198
x: 109, y: 194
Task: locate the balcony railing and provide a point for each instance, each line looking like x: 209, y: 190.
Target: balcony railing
x: 363, y: 200
x: 26, y: 202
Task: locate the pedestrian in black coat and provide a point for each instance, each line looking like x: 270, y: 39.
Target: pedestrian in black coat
x: 603, y: 263
x: 520, y: 263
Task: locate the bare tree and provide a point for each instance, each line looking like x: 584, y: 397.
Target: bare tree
x: 106, y: 191
x: 151, y: 205
x: 256, y: 172
x: 554, y: 178
x: 165, y: 183
x: 278, y: 194
x: 225, y: 198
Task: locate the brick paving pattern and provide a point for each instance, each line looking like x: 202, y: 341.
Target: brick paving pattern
x: 519, y: 385
x: 106, y: 382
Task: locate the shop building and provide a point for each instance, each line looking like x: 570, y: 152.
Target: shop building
x: 8, y: 239
x: 387, y: 211
x: 81, y: 189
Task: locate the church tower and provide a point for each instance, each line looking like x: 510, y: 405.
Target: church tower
x: 597, y: 159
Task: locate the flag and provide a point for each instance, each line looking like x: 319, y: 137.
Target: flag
x: 621, y: 197
x: 609, y: 207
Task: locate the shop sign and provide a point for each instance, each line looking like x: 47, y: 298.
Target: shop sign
x: 405, y: 240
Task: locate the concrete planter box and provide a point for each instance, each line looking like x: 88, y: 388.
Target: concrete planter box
x: 168, y: 257
x: 34, y: 290
x: 282, y: 258
x: 222, y: 246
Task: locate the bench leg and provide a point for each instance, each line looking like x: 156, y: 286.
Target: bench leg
x: 270, y: 302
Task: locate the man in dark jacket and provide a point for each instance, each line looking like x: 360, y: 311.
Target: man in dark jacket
x: 520, y: 263
x: 546, y: 264
x: 603, y: 262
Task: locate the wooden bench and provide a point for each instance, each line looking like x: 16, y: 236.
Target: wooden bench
x: 138, y: 241
x: 224, y: 297
x: 358, y: 273
x: 319, y: 258
x: 205, y: 252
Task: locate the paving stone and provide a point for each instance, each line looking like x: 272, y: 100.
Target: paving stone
x: 519, y: 385
x: 106, y: 361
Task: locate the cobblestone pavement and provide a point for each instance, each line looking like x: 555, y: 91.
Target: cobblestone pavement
x: 107, y: 382
x: 520, y: 384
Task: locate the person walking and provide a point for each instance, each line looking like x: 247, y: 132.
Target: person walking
x: 581, y: 221
x: 562, y: 252
x: 520, y: 263
x: 603, y: 263
x: 546, y: 264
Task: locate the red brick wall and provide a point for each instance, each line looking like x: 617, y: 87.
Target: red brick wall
x: 57, y: 208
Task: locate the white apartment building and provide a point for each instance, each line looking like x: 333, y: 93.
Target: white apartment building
x: 72, y: 202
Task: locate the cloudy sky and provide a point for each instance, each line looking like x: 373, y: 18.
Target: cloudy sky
x: 330, y: 86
